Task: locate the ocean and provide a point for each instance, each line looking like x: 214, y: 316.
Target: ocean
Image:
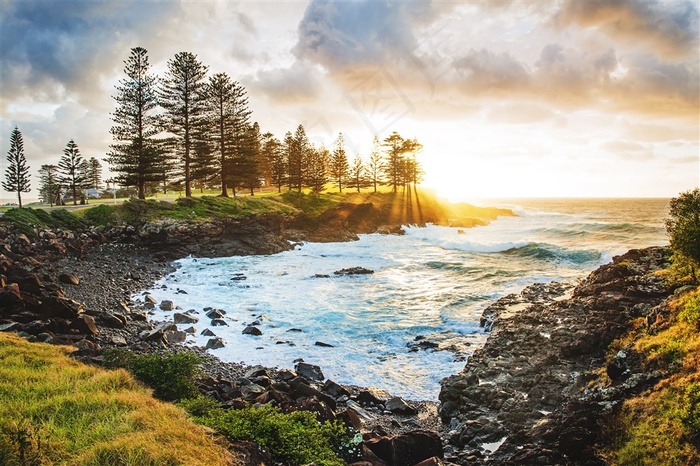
x: 433, y: 281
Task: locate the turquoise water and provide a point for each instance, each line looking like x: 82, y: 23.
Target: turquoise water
x: 429, y: 281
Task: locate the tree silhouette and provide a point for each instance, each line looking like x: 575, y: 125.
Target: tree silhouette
x: 69, y: 167
x: 17, y: 172
x: 49, y: 186
x: 339, y: 163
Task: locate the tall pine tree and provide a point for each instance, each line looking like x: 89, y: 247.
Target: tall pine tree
x: 275, y: 166
x: 297, y: 148
x: 393, y: 168
x: 183, y: 98
x: 357, y: 177
x: 375, y: 164
x: 17, y: 172
x: 50, y: 186
x: 135, y: 155
x: 339, y: 163
x: 71, y: 170
x: 316, y: 168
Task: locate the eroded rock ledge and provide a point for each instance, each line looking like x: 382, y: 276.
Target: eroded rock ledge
x: 523, y: 398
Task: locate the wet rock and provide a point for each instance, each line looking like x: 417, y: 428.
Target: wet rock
x: 323, y: 345
x: 167, y: 305
x: 207, y: 333
x: 215, y: 314
x: 354, y: 271
x: 335, y: 390
x: 252, y: 330
x: 180, y: 318
x: 373, y: 395
x: 219, y: 323
x: 215, y: 343
x: 309, y: 371
x: 190, y: 330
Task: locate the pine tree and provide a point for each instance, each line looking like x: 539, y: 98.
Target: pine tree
x: 17, y: 172
x: 339, y: 163
x: 183, y: 98
x: 50, y: 186
x: 249, y: 158
x: 357, y: 177
x: 413, y: 170
x: 228, y: 116
x: 316, y: 168
x: 204, y: 162
x: 69, y: 168
x: 375, y: 164
x: 297, y: 148
x: 393, y: 168
x: 275, y: 164
x: 94, y: 174
x: 135, y: 154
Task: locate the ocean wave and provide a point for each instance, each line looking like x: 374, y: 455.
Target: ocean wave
x: 552, y: 253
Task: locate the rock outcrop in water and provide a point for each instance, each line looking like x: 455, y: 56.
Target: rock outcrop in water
x: 523, y: 397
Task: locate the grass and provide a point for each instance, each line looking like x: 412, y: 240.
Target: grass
x: 56, y: 410
x: 662, y: 425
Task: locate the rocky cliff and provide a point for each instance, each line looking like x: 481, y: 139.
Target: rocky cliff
x: 524, y: 398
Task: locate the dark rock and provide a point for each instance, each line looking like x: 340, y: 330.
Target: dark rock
x: 207, y: 333
x: 85, y: 324
x: 107, y: 319
x: 335, y: 390
x: 190, y: 330
x: 399, y: 406
x: 167, y: 305
x: 256, y: 371
x: 617, y: 367
x: 324, y: 345
x: 215, y: 343
x: 407, y: 449
x: 219, y: 323
x: 180, y: 318
x: 69, y: 279
x: 373, y: 395
x: 354, y: 271
x: 251, y: 330
x: 310, y: 372
x: 215, y: 314
x: 55, y: 306
x: 11, y: 327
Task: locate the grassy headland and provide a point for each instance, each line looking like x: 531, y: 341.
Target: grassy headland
x: 56, y: 410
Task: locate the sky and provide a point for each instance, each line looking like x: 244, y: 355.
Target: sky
x: 509, y: 98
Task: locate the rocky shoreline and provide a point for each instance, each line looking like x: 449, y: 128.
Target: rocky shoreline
x: 524, y: 398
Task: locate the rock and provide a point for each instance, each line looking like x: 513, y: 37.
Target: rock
x: 335, y: 390
x: 390, y: 230
x: 354, y: 271
x: 69, y: 279
x: 167, y: 305
x: 85, y: 324
x: 399, y: 406
x: 175, y: 336
x: 150, y: 299
x: 324, y: 345
x: 180, y: 318
x: 56, y: 306
x: 219, y: 323
x: 11, y: 327
x: 215, y: 314
x: 251, y: 391
x: 110, y: 320
x: 252, y: 330
x: 407, y: 449
x: 215, y: 343
x: 617, y: 367
x: 190, y: 330
x: 373, y: 395
x: 207, y: 333
x: 256, y: 371
x: 309, y: 372
x: 118, y: 340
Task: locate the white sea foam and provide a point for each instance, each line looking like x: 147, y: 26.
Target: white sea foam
x: 431, y: 280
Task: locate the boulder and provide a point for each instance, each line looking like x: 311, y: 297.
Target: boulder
x: 354, y: 271
x: 215, y: 343
x: 180, y: 318
x: 167, y: 305
x: 69, y: 279
x: 215, y: 314
x: 85, y: 324
x: 323, y: 345
x: 373, y: 395
x: 335, y: 390
x: 219, y: 323
x: 398, y: 406
x: 207, y: 333
x: 407, y: 449
x: 56, y: 306
x: 310, y: 372
x: 252, y: 330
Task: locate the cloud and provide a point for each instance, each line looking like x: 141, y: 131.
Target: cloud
x: 56, y: 50
x: 671, y: 28
x: 338, y: 35
x: 297, y: 84
x: 487, y: 70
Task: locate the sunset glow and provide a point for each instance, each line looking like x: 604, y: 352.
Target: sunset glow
x: 560, y: 98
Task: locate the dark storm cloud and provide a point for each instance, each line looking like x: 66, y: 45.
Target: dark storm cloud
x: 670, y: 27
x: 54, y: 49
x: 341, y: 34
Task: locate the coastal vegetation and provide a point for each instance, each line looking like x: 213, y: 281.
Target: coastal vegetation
x: 56, y: 410
x: 662, y: 425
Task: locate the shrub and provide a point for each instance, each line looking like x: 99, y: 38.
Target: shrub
x: 171, y: 375
x: 690, y: 313
x: 200, y: 406
x: 67, y: 219
x: 689, y: 412
x: 683, y: 225
x: 101, y: 215
x: 296, y: 438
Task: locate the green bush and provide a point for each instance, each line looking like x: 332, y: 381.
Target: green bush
x: 67, y: 219
x: 689, y: 412
x: 691, y: 311
x: 295, y: 439
x: 200, y: 406
x: 683, y: 225
x: 101, y: 215
x: 171, y: 375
